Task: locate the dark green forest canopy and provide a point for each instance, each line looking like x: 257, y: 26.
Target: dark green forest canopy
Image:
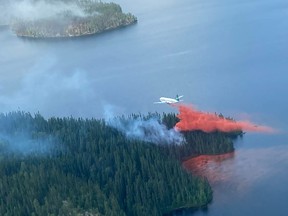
x: 199, y: 142
x: 90, y: 167
x: 76, y: 18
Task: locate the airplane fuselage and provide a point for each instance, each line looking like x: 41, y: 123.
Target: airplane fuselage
x: 168, y: 100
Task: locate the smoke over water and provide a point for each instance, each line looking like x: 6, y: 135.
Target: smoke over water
x: 29, y: 10
x: 192, y: 119
x: 144, y: 129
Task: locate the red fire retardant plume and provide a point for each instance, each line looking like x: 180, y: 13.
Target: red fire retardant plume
x: 192, y: 119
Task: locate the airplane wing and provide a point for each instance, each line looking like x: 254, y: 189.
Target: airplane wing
x: 181, y: 96
x: 159, y: 102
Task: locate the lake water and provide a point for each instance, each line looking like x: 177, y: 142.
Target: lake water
x: 225, y: 56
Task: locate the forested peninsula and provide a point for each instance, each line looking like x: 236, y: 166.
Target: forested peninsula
x: 82, y: 17
x: 75, y: 166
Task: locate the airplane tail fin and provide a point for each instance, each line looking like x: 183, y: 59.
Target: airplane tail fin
x: 179, y: 97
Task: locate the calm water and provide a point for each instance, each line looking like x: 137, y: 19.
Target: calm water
x: 224, y: 56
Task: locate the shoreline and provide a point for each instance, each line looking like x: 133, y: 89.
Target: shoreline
x: 65, y: 37
x: 206, y: 166
x: 192, y: 209
x: 196, y: 160
x: 193, y: 156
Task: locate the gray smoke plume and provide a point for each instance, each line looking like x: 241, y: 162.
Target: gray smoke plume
x: 49, y: 89
x: 144, y: 129
x: 28, y: 10
x: 19, y: 135
x: 23, y: 144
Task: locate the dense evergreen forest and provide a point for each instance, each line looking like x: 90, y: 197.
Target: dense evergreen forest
x: 199, y: 142
x: 68, y: 166
x: 77, y: 18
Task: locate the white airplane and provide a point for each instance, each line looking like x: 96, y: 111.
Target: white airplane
x: 169, y: 100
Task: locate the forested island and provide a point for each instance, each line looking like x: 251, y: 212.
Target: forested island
x: 82, y: 17
x: 69, y: 166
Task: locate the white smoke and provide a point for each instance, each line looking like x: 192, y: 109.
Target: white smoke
x: 148, y: 130
x: 19, y: 135
x: 50, y: 90
x: 24, y: 144
x: 29, y: 10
